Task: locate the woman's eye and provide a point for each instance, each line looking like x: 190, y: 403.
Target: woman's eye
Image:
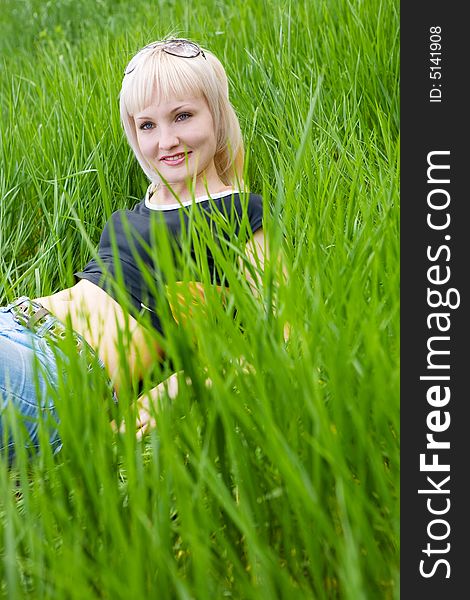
x: 146, y: 126
x: 183, y: 116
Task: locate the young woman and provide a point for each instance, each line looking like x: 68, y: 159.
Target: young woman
x: 184, y: 132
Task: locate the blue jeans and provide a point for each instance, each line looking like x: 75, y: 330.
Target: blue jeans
x: 31, y: 367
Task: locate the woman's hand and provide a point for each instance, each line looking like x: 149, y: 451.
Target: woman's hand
x: 147, y: 404
x: 185, y: 296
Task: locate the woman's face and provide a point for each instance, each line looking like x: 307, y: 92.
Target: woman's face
x: 177, y: 138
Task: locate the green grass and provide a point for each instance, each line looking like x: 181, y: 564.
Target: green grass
x: 277, y: 482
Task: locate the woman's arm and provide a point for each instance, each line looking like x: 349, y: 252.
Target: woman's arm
x: 257, y: 252
x: 147, y: 403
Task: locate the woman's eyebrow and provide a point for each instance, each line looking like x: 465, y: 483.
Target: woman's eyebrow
x: 173, y: 110
x: 177, y: 108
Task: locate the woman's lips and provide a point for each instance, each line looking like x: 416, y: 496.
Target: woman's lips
x: 175, y: 159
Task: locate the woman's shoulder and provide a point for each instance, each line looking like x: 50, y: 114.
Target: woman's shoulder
x: 243, y: 197
x: 245, y: 204
x: 251, y: 200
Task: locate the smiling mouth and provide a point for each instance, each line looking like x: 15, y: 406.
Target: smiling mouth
x: 175, y: 158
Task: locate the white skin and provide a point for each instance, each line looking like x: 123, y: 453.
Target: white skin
x: 178, y: 140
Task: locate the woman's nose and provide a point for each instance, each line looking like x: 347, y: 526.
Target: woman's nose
x: 167, y: 138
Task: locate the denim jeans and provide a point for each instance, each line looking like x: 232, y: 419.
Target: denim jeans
x: 31, y: 366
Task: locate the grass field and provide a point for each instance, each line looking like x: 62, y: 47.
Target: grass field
x: 281, y: 480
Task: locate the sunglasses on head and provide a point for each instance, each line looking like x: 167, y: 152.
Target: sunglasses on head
x: 174, y: 46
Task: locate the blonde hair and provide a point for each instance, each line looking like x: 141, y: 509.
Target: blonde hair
x: 155, y: 76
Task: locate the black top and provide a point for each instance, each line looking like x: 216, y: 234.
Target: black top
x: 133, y: 237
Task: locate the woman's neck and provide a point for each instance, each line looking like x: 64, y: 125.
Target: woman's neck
x: 162, y: 194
